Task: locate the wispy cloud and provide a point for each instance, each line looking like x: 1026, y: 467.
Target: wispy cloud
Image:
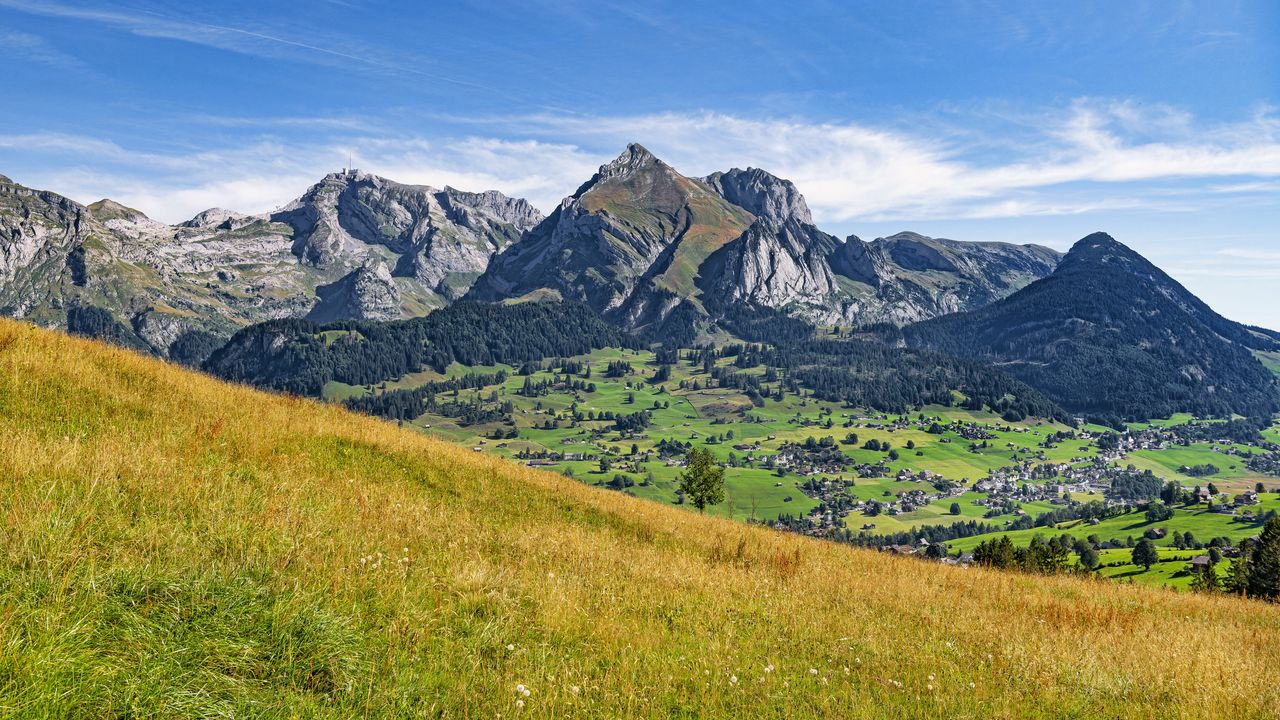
x: 243, y: 40
x: 21, y: 45
x: 1268, y: 256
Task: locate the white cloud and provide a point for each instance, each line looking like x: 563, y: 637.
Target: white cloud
x: 1093, y: 156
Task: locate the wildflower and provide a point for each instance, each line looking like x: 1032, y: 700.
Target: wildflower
x: 972, y: 686
x: 930, y: 686
x: 930, y: 678
x: 520, y: 689
x: 813, y: 671
x: 520, y: 704
x: 768, y: 668
x: 575, y: 689
x: 510, y: 648
x: 733, y: 679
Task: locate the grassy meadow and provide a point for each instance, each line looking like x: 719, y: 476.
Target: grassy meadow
x: 177, y: 547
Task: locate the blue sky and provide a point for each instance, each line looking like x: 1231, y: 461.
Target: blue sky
x: 1026, y: 122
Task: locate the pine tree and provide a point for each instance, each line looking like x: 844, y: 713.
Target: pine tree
x: 1207, y: 580
x: 1264, y: 575
x: 1237, y: 581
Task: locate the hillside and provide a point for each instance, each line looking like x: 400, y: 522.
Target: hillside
x: 177, y: 547
x: 1109, y: 334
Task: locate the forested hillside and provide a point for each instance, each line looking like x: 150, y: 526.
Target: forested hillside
x: 298, y: 356
x: 1111, y: 336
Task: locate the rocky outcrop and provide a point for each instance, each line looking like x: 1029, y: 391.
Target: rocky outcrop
x: 762, y: 194
x: 368, y: 293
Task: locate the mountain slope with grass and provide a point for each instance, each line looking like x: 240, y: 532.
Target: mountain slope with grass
x: 174, y: 546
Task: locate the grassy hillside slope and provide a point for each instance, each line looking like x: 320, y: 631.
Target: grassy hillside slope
x: 174, y: 546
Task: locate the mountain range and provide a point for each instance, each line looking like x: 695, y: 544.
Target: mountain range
x: 658, y: 254
x: 353, y: 246
x: 636, y: 241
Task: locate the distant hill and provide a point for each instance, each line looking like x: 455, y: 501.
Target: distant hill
x: 178, y: 546
x: 1109, y: 334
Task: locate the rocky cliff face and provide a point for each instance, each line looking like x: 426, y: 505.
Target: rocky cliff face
x: 777, y: 265
x: 761, y: 194
x: 353, y: 246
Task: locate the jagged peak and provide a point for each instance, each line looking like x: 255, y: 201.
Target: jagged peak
x: 635, y: 158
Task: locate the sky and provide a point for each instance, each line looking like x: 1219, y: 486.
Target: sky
x: 1029, y: 122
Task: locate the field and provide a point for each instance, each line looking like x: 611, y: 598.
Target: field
x: 178, y: 547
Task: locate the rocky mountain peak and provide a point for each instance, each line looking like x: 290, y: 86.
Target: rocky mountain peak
x: 762, y: 194
x: 636, y: 159
x: 108, y: 209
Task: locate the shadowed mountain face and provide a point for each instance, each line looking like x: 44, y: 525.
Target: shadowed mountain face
x: 354, y: 245
x: 1110, y: 334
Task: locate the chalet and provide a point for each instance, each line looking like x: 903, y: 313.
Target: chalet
x: 1247, y: 498
x: 1200, y: 563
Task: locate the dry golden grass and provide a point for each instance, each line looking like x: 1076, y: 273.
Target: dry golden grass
x: 177, y: 546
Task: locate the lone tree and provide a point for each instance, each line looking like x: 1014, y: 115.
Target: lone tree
x: 702, y: 481
x: 1089, y: 557
x: 955, y: 508
x: 1145, y: 554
